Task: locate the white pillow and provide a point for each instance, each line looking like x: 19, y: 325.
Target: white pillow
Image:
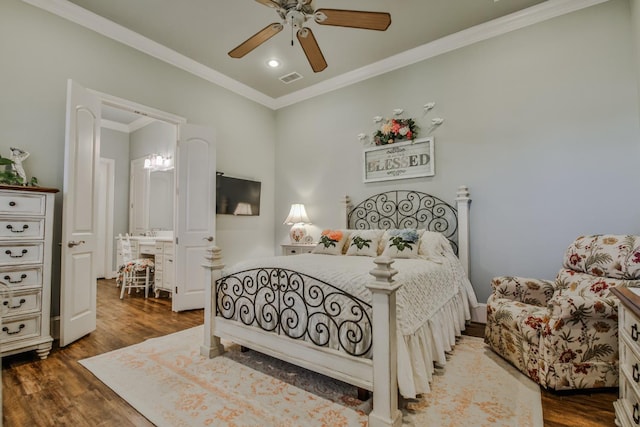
x: 331, y: 242
x: 364, y: 242
x: 401, y: 243
x: 433, y: 243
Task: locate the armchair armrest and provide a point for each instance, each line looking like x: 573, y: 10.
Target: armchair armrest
x: 577, y: 308
x: 523, y: 289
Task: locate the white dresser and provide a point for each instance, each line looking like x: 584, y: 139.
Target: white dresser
x: 627, y: 407
x: 26, y: 230
x: 165, y: 267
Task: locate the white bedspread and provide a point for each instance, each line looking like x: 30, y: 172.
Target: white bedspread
x: 427, y: 285
x: 433, y: 304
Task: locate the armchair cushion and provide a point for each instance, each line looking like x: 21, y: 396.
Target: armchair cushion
x: 564, y: 334
x: 523, y: 289
x: 605, y: 255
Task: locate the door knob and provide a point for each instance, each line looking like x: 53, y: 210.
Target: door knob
x: 73, y: 243
x: 210, y: 238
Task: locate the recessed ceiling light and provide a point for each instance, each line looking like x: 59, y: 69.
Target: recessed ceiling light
x: 273, y: 63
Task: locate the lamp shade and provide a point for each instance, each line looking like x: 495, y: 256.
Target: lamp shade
x: 297, y: 215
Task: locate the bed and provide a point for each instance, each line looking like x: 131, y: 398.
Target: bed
x: 377, y: 322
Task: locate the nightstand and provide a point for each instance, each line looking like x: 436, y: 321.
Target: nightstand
x: 296, y: 249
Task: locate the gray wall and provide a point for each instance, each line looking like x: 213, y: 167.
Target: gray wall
x: 635, y: 24
x: 155, y: 138
x: 115, y: 145
x: 540, y: 123
x: 40, y: 52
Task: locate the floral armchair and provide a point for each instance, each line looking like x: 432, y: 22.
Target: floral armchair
x: 563, y: 334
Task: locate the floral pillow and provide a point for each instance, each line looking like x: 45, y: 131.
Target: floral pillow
x: 434, y: 244
x: 331, y: 242
x: 401, y: 243
x: 364, y: 242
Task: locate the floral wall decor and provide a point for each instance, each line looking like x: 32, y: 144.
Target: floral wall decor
x: 399, y: 129
x: 395, y: 130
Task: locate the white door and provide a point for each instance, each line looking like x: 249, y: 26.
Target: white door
x: 79, y: 215
x: 138, y: 198
x: 195, y: 213
x: 106, y: 196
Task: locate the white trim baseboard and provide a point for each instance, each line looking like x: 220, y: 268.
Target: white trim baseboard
x: 479, y: 313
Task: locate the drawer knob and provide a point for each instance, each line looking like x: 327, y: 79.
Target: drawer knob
x: 10, y: 280
x: 636, y: 372
x: 12, y: 255
x: 636, y: 413
x: 24, y: 227
x: 634, y: 332
x: 12, y: 203
x: 22, y: 301
x: 22, y: 325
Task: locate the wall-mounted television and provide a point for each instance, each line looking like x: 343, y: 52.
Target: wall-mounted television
x: 235, y: 196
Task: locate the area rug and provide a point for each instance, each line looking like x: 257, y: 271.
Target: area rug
x: 167, y: 381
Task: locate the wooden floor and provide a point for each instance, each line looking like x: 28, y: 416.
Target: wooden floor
x: 58, y: 391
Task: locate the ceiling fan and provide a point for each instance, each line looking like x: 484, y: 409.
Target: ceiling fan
x: 296, y: 13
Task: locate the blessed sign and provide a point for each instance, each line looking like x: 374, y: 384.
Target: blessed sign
x: 408, y: 159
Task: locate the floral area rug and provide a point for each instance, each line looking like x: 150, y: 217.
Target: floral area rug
x: 167, y: 381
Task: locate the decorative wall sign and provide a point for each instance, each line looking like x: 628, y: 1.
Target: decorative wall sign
x: 410, y: 159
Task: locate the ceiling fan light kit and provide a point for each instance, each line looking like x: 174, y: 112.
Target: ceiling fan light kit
x: 296, y: 13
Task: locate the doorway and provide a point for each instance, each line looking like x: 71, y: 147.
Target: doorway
x: 194, y: 210
x: 128, y: 138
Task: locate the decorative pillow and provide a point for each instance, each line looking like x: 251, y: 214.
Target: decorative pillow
x: 433, y: 243
x: 401, y: 243
x: 364, y: 242
x: 331, y: 242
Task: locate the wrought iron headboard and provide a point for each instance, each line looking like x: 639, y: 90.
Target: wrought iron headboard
x: 406, y: 209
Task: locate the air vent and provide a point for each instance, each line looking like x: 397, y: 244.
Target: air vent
x: 291, y: 77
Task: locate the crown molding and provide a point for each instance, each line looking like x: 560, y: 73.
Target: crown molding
x: 530, y: 16
x: 110, y: 29
x: 526, y: 17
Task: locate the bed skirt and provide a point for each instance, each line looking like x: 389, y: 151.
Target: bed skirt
x: 419, y: 352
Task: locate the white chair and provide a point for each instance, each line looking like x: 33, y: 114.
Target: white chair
x: 133, y: 273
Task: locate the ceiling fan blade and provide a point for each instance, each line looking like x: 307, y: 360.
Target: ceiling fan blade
x: 256, y: 40
x: 311, y: 49
x: 353, y: 18
x: 269, y: 3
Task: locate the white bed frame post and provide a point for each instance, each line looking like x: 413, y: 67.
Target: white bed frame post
x: 463, y: 201
x: 385, y: 411
x: 211, y: 347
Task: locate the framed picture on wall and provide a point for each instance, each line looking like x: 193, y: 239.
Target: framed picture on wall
x: 409, y: 159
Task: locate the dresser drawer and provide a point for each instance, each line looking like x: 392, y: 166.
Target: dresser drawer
x: 629, y: 360
x: 629, y: 401
x: 25, y: 253
x: 21, y: 229
x: 630, y: 327
x: 21, y: 277
x: 168, y: 249
x: 17, y: 303
x: 19, y: 328
x: 22, y: 204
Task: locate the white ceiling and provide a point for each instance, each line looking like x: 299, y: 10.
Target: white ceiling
x: 197, y: 35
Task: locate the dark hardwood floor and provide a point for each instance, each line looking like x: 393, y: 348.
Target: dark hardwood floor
x: 58, y: 391
x: 571, y: 409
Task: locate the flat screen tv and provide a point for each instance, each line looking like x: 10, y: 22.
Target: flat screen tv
x: 235, y: 196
